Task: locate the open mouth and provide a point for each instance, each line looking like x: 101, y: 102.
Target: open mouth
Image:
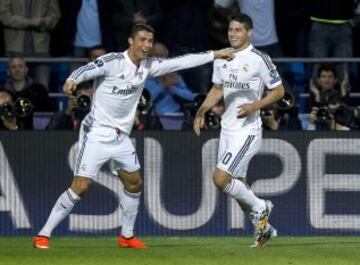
x: 145, y: 51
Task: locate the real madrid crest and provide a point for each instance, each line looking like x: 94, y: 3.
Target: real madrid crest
x: 83, y: 167
x: 139, y: 74
x: 245, y: 68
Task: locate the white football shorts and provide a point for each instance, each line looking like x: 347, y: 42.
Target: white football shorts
x: 100, y: 145
x: 236, y: 150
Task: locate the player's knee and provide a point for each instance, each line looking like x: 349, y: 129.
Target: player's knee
x: 134, y: 187
x: 80, y: 185
x: 221, y: 179
x: 134, y: 184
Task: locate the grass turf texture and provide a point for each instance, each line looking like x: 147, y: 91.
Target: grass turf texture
x: 183, y: 250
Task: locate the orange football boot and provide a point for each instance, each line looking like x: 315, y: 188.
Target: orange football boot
x: 131, y: 242
x: 41, y: 242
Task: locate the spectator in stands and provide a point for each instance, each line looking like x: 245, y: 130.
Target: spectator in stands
x: 186, y: 29
x: 7, y: 117
x: 126, y: 13
x: 325, y: 96
x: 331, y: 32
x: 262, y: 13
x: 327, y: 80
x: 27, y: 27
x: 168, y: 92
x: 21, y: 85
x: 77, y: 108
x: 84, y: 24
x: 95, y: 52
x: 92, y: 27
x: 292, y: 20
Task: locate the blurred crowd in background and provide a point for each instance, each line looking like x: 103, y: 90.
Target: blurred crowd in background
x: 321, y: 95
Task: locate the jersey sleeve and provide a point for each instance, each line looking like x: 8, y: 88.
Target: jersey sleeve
x: 100, y: 67
x: 216, y: 77
x: 159, y: 66
x: 268, y: 73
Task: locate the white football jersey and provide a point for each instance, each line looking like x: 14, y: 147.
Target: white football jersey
x: 118, y: 84
x: 243, y: 80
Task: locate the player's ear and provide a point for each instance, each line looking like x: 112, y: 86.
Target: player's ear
x: 131, y: 41
x: 249, y: 33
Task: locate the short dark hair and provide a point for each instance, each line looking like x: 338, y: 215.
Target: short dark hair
x: 141, y: 27
x: 326, y: 67
x: 243, y: 19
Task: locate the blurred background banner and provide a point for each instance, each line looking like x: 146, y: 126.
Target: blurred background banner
x: 313, y: 180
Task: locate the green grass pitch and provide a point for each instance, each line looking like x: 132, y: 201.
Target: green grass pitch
x: 184, y: 251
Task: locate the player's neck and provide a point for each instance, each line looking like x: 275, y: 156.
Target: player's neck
x: 243, y: 46
x: 135, y: 59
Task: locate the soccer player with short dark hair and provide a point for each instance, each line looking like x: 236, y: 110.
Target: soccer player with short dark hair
x: 241, y: 83
x: 119, y: 80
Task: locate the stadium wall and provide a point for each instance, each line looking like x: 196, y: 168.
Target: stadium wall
x: 312, y: 178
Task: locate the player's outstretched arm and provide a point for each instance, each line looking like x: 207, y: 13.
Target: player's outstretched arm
x: 100, y: 67
x: 214, y: 96
x: 227, y: 54
x: 163, y: 66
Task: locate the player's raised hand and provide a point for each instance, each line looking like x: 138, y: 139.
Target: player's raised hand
x: 245, y: 110
x: 69, y: 87
x: 199, y: 123
x: 227, y: 54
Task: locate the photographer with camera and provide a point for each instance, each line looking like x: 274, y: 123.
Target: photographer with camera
x: 77, y: 108
x: 8, y: 119
x: 27, y: 95
x: 212, y: 117
x: 145, y: 119
x: 329, y: 110
x: 334, y: 114
x: 283, y: 115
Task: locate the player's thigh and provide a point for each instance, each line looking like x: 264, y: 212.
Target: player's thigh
x: 235, y: 157
x: 91, y: 155
x: 124, y: 156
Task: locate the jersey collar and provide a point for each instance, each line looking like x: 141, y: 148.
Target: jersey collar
x: 246, y: 50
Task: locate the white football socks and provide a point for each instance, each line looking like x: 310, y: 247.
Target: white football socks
x: 61, y: 209
x: 244, y: 196
x: 130, y: 206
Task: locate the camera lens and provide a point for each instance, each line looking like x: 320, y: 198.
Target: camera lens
x: 84, y: 102
x: 23, y: 107
x: 7, y: 111
x: 144, y: 101
x: 212, y: 122
x: 323, y: 115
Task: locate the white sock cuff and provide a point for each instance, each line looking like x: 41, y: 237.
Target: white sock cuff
x: 132, y: 194
x: 72, y: 195
x: 229, y: 186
